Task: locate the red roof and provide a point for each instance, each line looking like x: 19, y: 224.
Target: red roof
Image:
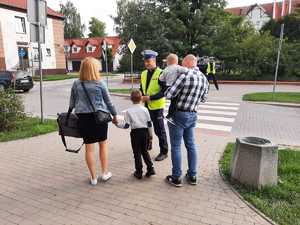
x: 114, y: 41
x: 268, y: 7
x: 22, y: 5
x: 97, y: 41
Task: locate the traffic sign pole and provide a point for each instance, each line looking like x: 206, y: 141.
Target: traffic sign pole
x: 106, y: 64
x: 278, y: 59
x: 131, y: 70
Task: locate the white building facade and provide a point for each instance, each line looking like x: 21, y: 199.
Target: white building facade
x: 258, y: 17
x: 15, y: 38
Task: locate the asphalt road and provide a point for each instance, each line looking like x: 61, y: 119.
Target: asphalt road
x: 225, y: 114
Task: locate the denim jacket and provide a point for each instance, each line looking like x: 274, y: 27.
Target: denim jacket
x: 98, y: 93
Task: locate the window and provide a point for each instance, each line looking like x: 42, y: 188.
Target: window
x: 90, y: 49
x: 20, y: 25
x: 75, y: 49
x: 35, y: 54
x: 67, y: 49
x: 48, y: 50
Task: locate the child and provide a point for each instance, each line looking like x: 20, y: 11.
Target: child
x: 138, y: 118
x: 169, y: 76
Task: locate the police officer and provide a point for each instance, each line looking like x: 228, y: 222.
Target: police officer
x: 153, y: 97
x: 211, y: 71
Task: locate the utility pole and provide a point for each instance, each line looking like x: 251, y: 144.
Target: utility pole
x: 37, y: 16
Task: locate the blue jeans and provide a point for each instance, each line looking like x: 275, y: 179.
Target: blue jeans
x: 183, y: 128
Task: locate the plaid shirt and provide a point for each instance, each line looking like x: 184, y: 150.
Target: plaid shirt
x: 189, y: 90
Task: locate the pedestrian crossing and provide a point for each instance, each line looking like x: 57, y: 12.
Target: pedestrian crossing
x: 215, y: 116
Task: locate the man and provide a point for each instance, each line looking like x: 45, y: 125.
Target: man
x: 211, y: 71
x: 153, y: 97
x: 190, y: 90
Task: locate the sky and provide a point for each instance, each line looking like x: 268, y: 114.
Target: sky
x: 104, y: 9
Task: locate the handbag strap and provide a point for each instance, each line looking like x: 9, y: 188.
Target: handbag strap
x: 70, y: 150
x: 63, y: 139
x: 87, y: 96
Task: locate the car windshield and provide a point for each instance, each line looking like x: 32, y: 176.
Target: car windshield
x: 22, y: 74
x: 5, y: 75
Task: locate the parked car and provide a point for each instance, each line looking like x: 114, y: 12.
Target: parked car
x: 18, y: 80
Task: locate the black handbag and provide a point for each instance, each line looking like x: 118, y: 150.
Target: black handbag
x: 68, y: 127
x: 100, y: 116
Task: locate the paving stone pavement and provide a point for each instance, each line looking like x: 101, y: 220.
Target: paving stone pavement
x: 279, y: 124
x: 42, y: 184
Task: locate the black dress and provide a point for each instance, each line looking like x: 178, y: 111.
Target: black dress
x: 90, y: 131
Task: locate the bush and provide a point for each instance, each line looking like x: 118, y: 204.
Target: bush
x: 11, y: 110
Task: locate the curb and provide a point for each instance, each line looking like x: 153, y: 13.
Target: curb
x: 119, y: 95
x: 291, y: 105
x: 252, y: 207
x: 247, y: 82
x: 295, y: 83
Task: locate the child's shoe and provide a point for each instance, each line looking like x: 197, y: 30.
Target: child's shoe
x: 150, y: 172
x: 138, y: 175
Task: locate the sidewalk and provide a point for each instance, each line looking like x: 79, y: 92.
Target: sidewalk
x: 42, y: 184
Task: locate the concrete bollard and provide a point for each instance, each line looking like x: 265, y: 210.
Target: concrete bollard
x: 255, y: 162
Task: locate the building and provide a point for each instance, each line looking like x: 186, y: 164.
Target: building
x: 260, y: 14
x: 15, y: 37
x: 77, y: 49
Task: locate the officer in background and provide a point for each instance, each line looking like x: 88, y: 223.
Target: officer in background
x: 153, y: 97
x: 202, y: 64
x: 211, y: 71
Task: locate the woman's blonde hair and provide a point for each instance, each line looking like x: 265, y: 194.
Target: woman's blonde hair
x: 89, y: 69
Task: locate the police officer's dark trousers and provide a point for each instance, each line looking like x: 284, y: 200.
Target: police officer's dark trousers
x: 139, y: 143
x: 214, y: 77
x: 157, y: 117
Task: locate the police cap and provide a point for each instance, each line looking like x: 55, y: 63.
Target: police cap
x: 149, y: 54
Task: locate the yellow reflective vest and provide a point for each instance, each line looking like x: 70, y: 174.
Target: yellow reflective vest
x: 211, y: 70
x: 153, y: 89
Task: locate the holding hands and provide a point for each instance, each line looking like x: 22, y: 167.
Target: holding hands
x: 145, y: 98
x: 115, y: 120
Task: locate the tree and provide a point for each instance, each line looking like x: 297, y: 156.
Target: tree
x: 97, y: 28
x: 109, y: 61
x: 292, y: 26
x: 165, y: 25
x: 72, y: 23
x: 202, y: 27
x: 257, y: 56
x: 224, y: 42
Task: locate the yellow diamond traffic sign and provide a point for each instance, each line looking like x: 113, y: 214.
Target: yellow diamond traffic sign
x: 131, y: 45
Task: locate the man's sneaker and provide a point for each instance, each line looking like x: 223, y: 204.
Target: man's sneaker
x: 192, y: 180
x: 150, y: 172
x: 94, y: 181
x: 161, y: 157
x: 174, y: 181
x: 138, y: 175
x: 106, y: 176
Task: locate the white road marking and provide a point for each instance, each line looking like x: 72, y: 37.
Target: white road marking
x: 222, y: 103
x: 213, y: 127
x: 218, y: 107
x: 215, y: 118
x: 215, y: 103
x: 217, y: 112
x: 212, y: 113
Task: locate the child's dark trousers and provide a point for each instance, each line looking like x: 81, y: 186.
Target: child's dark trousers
x: 139, y: 143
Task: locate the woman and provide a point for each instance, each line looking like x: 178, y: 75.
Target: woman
x: 91, y: 132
